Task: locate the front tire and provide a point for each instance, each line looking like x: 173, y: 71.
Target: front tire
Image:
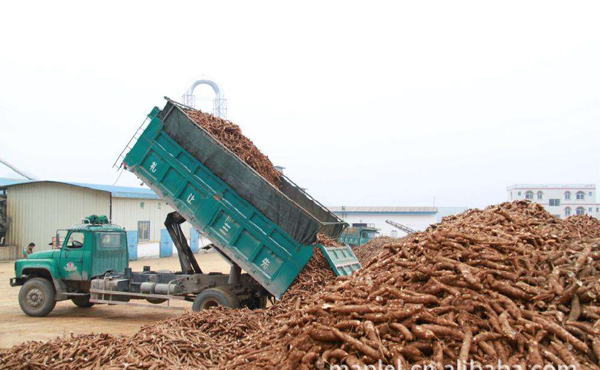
x: 214, y: 297
x: 37, y: 297
x: 82, y: 301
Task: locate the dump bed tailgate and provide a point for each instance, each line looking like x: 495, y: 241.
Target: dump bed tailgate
x: 258, y: 245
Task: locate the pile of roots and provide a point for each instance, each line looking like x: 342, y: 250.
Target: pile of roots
x: 230, y: 135
x: 372, y: 248
x: 203, y: 340
x: 510, y: 283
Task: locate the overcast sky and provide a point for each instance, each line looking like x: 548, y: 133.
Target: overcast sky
x: 384, y: 103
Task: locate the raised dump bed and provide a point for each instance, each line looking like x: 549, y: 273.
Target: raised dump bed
x: 267, y: 231
x: 289, y: 206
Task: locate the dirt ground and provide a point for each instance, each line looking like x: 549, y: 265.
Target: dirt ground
x: 16, y: 327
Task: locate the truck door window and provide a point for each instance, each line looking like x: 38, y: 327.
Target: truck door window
x: 75, y: 241
x: 111, y: 240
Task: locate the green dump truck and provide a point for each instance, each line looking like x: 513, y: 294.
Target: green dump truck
x: 266, y: 233
x: 358, y: 234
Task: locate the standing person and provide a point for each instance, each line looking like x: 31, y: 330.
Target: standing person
x: 28, y: 249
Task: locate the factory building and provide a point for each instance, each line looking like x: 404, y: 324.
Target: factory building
x: 562, y: 200
x: 415, y: 218
x: 34, y: 210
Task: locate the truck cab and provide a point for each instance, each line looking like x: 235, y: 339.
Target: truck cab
x: 358, y: 234
x: 81, y: 253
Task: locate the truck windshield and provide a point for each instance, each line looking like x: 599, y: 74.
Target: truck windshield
x: 110, y: 240
x: 371, y: 234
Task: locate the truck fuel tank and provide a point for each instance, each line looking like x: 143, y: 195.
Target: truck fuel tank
x: 156, y: 288
x: 116, y: 284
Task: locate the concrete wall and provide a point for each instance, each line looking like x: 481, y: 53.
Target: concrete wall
x: 447, y: 211
x: 416, y: 221
x: 35, y: 211
x: 127, y: 212
x: 10, y: 252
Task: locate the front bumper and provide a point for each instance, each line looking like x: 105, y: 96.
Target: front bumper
x: 17, y: 281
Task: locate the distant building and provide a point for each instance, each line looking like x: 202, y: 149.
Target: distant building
x: 32, y: 211
x: 560, y: 200
x: 416, y: 218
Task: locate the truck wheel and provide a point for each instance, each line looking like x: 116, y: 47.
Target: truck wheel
x: 156, y: 300
x: 36, y: 297
x: 262, y: 302
x: 82, y: 301
x: 215, y: 297
x: 255, y: 303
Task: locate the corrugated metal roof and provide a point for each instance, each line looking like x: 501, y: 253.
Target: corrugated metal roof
x: 7, y: 181
x: 121, y: 191
x: 367, y: 209
x: 116, y: 191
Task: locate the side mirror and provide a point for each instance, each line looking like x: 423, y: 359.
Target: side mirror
x: 56, y: 242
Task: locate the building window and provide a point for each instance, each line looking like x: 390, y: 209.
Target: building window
x: 529, y: 195
x: 567, y: 195
x: 590, y: 209
x: 580, y: 211
x: 142, y: 205
x: 597, y: 209
x: 580, y: 195
x: 143, y: 230
x: 590, y: 193
x: 519, y: 193
x: 568, y: 211
x: 555, y: 202
x: 540, y: 195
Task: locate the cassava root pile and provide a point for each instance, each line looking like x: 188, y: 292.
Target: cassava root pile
x: 509, y: 283
x: 194, y: 340
x: 230, y: 135
x: 372, y: 248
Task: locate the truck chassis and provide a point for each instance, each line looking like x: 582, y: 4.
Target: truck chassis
x: 191, y: 284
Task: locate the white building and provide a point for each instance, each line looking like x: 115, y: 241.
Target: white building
x: 560, y: 200
x: 32, y: 211
x: 416, y: 218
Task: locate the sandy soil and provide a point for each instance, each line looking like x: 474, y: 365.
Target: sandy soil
x: 16, y: 327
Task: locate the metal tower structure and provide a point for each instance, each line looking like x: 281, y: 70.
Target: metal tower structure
x: 406, y: 229
x: 20, y: 172
x: 219, y: 102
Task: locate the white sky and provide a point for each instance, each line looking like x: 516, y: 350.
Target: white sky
x: 372, y: 104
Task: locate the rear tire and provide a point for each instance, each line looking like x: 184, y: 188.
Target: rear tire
x: 156, y: 300
x: 37, y: 297
x: 214, y: 297
x: 82, y: 301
